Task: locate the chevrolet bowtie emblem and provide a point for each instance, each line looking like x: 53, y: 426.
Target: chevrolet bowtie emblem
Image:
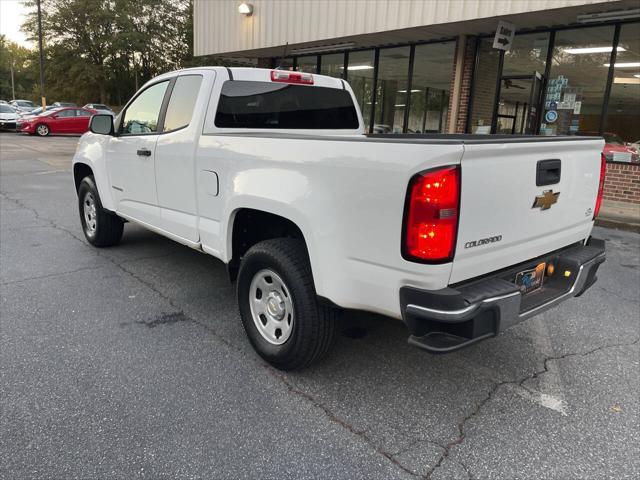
x: 544, y: 201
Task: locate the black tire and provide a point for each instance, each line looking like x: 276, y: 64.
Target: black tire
x: 108, y: 226
x: 42, y: 130
x: 313, y: 326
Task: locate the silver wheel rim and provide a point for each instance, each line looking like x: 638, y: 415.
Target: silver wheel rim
x: 271, y: 307
x: 89, y: 211
x: 42, y: 130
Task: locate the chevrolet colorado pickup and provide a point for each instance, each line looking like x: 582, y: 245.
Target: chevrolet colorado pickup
x: 459, y: 236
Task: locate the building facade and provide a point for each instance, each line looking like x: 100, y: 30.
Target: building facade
x: 572, y: 67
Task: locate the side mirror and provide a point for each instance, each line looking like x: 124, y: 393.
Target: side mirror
x: 101, y: 124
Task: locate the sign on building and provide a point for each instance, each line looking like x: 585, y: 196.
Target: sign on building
x: 504, y: 35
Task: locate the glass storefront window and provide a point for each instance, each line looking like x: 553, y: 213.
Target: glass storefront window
x: 521, y: 84
x: 360, y: 77
x: 622, y: 124
x: 307, y: 64
x: 484, y: 87
x: 527, y: 56
x: 391, y: 94
x: 332, y: 65
x: 577, y: 83
x: 432, y: 71
x: 283, y: 63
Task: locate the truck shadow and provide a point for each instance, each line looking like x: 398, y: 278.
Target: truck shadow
x: 372, y: 380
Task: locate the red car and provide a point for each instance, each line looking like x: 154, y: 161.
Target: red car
x: 60, y: 120
x: 615, y: 148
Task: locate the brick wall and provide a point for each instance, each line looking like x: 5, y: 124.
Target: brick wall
x: 622, y: 182
x: 465, y: 91
x: 467, y: 76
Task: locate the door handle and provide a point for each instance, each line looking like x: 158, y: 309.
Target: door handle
x: 548, y: 172
x: 143, y: 152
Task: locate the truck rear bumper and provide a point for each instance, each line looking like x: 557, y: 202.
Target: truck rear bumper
x: 445, y: 320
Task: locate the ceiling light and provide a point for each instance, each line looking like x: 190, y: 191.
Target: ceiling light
x: 624, y: 65
x: 412, y: 91
x: 627, y: 80
x: 245, y: 9
x: 578, y: 51
x: 358, y: 67
x: 609, y: 16
x: 400, y: 105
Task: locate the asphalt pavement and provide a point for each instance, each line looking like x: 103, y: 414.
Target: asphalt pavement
x: 131, y: 362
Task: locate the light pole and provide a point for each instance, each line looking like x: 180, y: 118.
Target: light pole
x: 42, y: 96
x: 13, y: 87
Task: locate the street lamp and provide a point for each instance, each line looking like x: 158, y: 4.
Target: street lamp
x: 42, y: 97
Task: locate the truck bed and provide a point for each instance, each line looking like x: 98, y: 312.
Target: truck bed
x: 417, y: 138
x: 472, y: 138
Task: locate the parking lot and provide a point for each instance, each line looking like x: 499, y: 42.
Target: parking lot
x: 131, y: 362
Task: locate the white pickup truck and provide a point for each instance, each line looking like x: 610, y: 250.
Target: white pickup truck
x: 459, y: 236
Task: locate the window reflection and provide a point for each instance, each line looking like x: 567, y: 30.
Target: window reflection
x: 391, y: 91
x: 142, y: 115
x: 622, y: 125
x: 432, y: 71
x: 307, y: 64
x: 577, y: 82
x: 283, y: 63
x: 360, y: 76
x: 528, y: 54
x: 332, y: 65
x: 182, y: 102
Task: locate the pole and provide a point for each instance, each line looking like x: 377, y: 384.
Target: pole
x: 42, y: 97
x: 13, y: 87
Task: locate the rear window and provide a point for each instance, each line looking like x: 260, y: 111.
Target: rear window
x: 245, y: 104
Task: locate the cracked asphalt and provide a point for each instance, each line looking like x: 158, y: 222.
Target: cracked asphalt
x: 131, y: 362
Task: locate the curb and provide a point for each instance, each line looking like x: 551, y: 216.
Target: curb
x: 619, y: 224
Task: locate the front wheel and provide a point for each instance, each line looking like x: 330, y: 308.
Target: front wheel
x: 278, y: 305
x: 101, y: 228
x: 42, y: 130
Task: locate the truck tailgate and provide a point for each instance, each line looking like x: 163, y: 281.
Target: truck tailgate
x: 503, y: 220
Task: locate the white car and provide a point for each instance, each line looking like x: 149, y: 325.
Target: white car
x: 23, y: 105
x: 8, y: 117
x: 100, y: 108
x: 459, y: 236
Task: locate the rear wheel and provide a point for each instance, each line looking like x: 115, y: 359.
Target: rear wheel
x: 101, y: 228
x: 42, y: 130
x: 278, y: 305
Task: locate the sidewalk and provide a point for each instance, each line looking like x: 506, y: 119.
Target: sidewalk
x: 621, y: 215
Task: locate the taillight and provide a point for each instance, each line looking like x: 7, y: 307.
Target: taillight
x: 603, y: 171
x: 291, y: 77
x: 431, y: 215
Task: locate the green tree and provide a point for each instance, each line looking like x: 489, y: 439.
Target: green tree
x: 102, y: 50
x: 24, y: 70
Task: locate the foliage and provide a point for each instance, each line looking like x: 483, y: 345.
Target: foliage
x: 103, y: 50
x: 25, y: 71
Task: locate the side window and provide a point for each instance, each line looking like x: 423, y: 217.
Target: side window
x: 82, y: 113
x: 142, y: 115
x: 66, y: 113
x: 182, y: 102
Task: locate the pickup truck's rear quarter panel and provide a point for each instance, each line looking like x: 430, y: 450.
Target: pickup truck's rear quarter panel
x: 346, y: 196
x: 498, y: 190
